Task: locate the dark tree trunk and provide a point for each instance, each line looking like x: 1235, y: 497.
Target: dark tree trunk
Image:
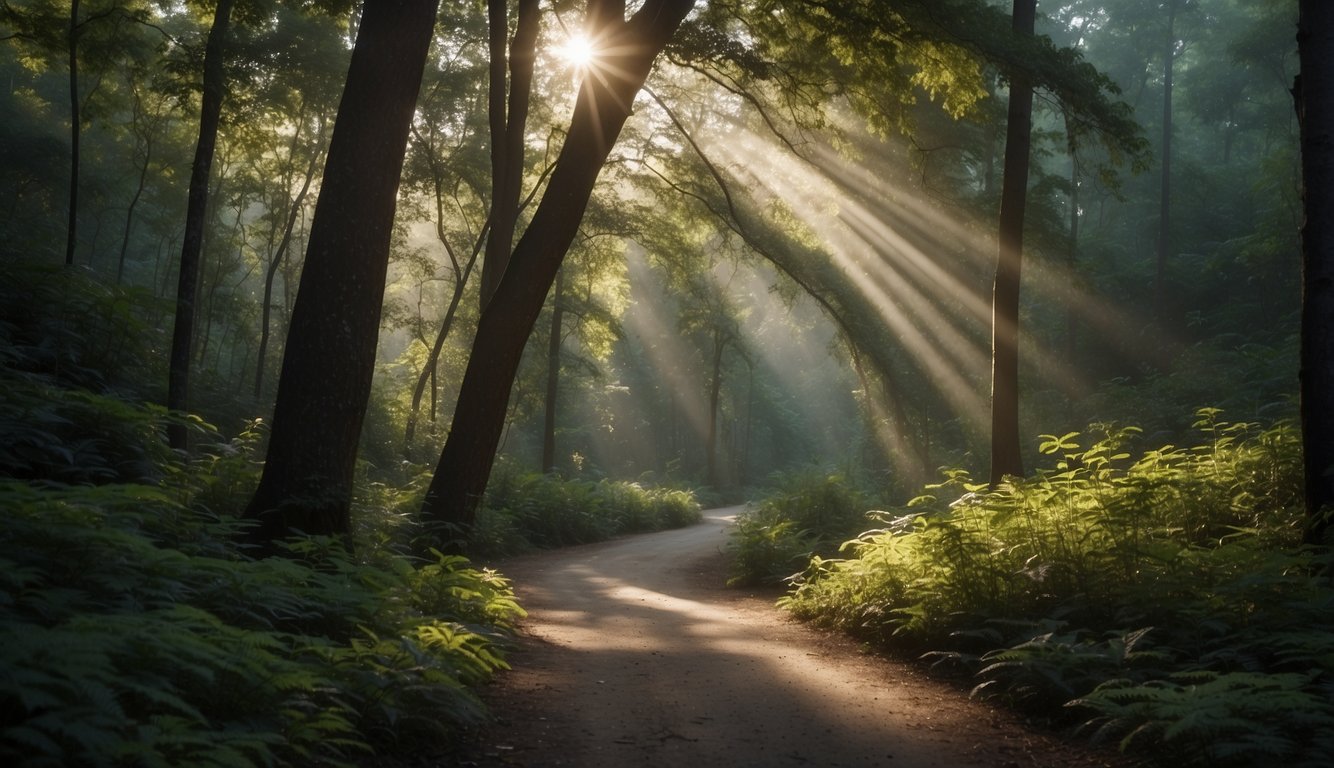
x: 329, y: 357
x: 508, y: 124
x: 711, y: 477
x: 1314, y: 94
x: 72, y: 227
x: 1006, y: 458
x: 553, y: 377
x: 1161, y: 297
x: 187, y: 279
x: 601, y: 111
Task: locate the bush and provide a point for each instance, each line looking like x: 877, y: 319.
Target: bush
x: 130, y: 632
x: 1164, y: 599
x: 808, y: 515
x: 525, y: 511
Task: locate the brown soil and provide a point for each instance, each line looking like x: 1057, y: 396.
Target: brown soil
x: 635, y: 653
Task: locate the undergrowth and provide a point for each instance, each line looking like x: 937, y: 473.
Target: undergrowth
x: 807, y: 515
x: 526, y: 511
x: 1159, y: 599
x: 135, y: 631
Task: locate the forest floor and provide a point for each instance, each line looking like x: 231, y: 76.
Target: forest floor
x: 635, y: 653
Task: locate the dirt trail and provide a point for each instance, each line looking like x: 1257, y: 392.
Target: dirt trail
x: 635, y: 654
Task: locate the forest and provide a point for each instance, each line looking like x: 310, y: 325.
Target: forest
x: 1010, y: 323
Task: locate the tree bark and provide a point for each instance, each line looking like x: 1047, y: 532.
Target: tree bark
x: 1006, y: 458
x: 630, y: 48
x: 196, y: 213
x: 72, y: 225
x: 1161, y: 298
x: 1314, y: 96
x: 553, y: 376
x: 715, y: 399
x: 329, y: 358
x: 508, y: 125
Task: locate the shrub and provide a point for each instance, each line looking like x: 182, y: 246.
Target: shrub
x: 1164, y: 595
x: 807, y: 516
x: 523, y: 511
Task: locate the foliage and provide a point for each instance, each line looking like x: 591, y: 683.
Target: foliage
x: 133, y: 630
x: 523, y: 511
x: 809, y: 514
x: 1164, y: 594
x: 134, y: 633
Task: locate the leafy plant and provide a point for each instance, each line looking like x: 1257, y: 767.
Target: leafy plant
x: 1165, y: 592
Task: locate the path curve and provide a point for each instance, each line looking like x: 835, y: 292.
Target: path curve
x: 635, y: 654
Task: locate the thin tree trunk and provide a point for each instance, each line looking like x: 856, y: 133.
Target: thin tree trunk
x: 1161, y: 298
x: 134, y: 202
x: 307, y: 481
x: 630, y: 48
x: 1314, y: 95
x: 187, y: 287
x: 272, y: 274
x: 715, y: 395
x: 72, y: 226
x: 1006, y: 458
x: 553, y: 375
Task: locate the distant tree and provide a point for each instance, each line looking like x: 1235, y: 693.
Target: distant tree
x: 192, y: 245
x: 553, y: 373
x: 1006, y: 458
x: 1314, y: 94
x: 329, y: 359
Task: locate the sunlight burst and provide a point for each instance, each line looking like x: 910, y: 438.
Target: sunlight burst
x: 577, y: 51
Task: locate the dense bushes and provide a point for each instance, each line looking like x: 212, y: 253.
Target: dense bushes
x: 526, y: 511
x: 1162, y: 600
x: 135, y: 631
x: 132, y: 632
x: 809, y: 514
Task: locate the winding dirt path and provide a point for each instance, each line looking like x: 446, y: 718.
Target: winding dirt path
x: 636, y: 654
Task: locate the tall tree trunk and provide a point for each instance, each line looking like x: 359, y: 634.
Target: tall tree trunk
x: 629, y: 50
x: 187, y: 285
x: 1314, y: 94
x: 1006, y: 458
x: 329, y: 358
x: 1072, y: 249
x: 508, y: 124
x: 1161, y: 298
x: 711, y: 476
x: 553, y: 375
x: 72, y: 226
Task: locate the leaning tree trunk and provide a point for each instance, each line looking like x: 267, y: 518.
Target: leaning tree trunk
x: 1006, y: 458
x: 187, y: 279
x: 630, y: 48
x: 1314, y: 94
x: 329, y: 357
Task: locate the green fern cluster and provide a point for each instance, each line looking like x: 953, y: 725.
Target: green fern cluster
x: 132, y: 633
x: 523, y: 511
x: 808, y: 515
x: 1163, y: 597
